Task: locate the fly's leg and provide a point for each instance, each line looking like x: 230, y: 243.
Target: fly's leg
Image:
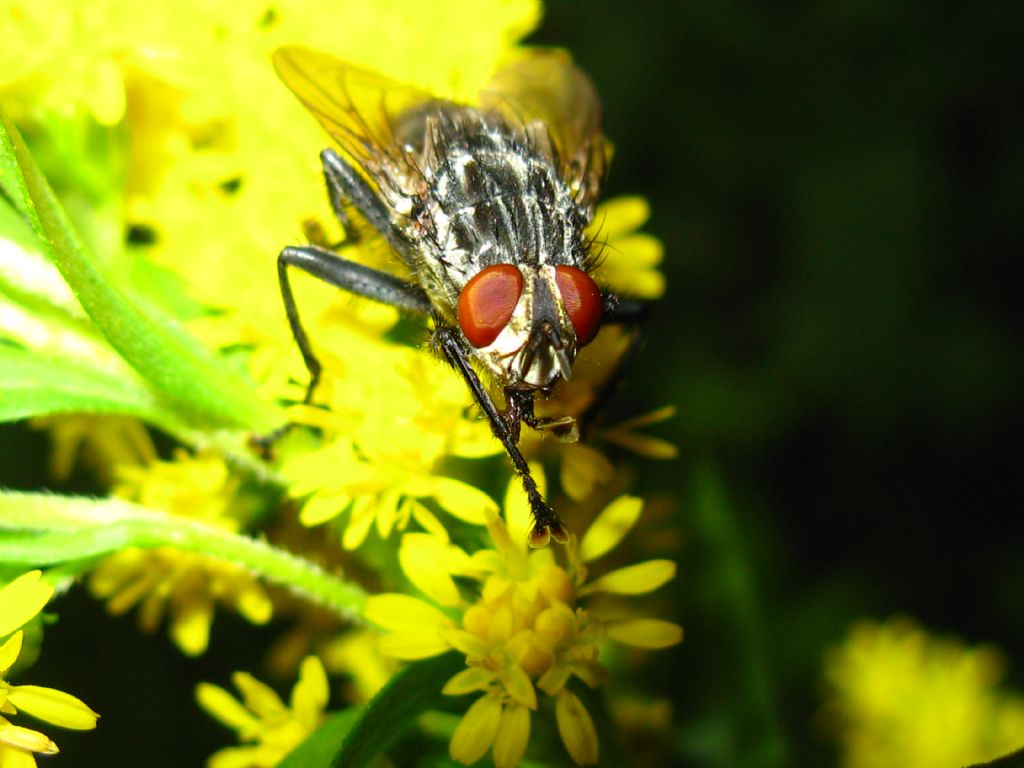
x: 546, y: 524
x: 520, y: 409
x: 349, y: 276
x: 345, y: 187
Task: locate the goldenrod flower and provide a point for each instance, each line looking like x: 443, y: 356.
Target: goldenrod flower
x: 218, y: 173
x: 96, y: 442
x: 629, y: 258
x: 899, y: 697
x: 525, y: 630
x: 183, y: 584
x: 269, y: 727
x: 221, y: 172
x: 20, y: 602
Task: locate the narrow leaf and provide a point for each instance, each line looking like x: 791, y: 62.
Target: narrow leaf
x: 321, y: 745
x: 34, y: 385
x: 389, y: 714
x: 175, y: 365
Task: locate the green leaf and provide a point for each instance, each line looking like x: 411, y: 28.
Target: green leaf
x: 12, y: 183
x: 389, y: 714
x: 321, y: 745
x: 204, y: 391
x: 38, y: 529
x: 34, y: 385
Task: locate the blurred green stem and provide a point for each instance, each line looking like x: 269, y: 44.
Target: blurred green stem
x: 731, y: 583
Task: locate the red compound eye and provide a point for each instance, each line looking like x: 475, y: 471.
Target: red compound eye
x: 487, y: 302
x: 582, y: 301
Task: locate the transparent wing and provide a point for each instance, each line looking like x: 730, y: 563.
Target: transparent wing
x: 544, y: 87
x: 357, y: 107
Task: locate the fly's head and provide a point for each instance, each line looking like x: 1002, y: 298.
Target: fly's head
x: 526, y: 323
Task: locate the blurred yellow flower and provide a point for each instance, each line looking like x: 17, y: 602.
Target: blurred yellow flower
x: 525, y: 630
x: 900, y: 697
x: 268, y: 728
x: 95, y: 442
x: 182, y: 584
x: 629, y: 259
x: 20, y: 601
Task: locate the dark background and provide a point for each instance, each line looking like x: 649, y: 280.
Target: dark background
x: 838, y: 189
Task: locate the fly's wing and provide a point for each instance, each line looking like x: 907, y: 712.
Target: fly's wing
x: 358, y: 108
x: 544, y: 87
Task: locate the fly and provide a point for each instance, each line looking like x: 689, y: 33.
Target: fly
x: 486, y: 206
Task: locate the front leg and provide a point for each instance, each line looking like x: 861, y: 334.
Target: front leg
x: 519, y: 408
x: 347, y: 275
x: 546, y: 524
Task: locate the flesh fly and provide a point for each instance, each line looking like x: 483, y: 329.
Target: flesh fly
x: 486, y: 206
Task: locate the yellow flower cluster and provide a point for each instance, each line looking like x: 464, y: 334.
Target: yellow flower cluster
x: 270, y: 727
x: 164, y: 580
x: 219, y: 172
x: 900, y: 697
x: 20, y: 602
x: 524, y: 629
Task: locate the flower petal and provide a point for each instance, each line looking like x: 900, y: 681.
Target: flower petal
x: 359, y: 523
x: 258, y: 696
x: 646, y: 633
x: 513, y: 736
x: 311, y: 692
x: 226, y: 708
x: 398, y: 612
x: 518, y: 517
x: 610, y: 527
x: 461, y: 500
x: 518, y: 685
x: 468, y: 680
x: 53, y: 706
x: 10, y: 650
x: 413, y: 645
x: 476, y: 730
x: 583, y: 467
x: 417, y: 626
x: 322, y: 507
x: 622, y: 214
x: 428, y: 562
x: 576, y: 728
x: 24, y: 740
x: 633, y: 579
x: 22, y: 599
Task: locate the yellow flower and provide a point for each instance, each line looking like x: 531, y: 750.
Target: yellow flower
x: 269, y: 727
x: 220, y: 173
x: 629, y: 259
x: 96, y: 442
x: 183, y: 584
x: 383, y: 439
x: 899, y: 697
x: 525, y: 630
x: 20, y: 602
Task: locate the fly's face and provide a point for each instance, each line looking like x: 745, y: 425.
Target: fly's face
x: 526, y: 323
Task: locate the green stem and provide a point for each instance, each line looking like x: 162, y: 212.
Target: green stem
x: 39, y: 530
